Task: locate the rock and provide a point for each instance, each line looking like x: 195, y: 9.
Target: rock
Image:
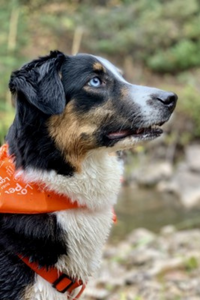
x: 186, y: 185
x: 185, y: 241
x: 193, y: 157
x: 123, y: 250
x: 126, y: 294
x: 141, y: 237
x: 150, y: 290
x: 110, y: 251
x: 154, y: 267
x: 114, y: 275
x: 151, y: 174
x: 140, y: 257
x: 173, y: 292
x: 175, y: 275
x: 95, y: 293
x: 135, y: 277
x: 165, y: 265
x: 167, y: 230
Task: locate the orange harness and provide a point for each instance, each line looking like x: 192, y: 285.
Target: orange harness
x: 60, y: 281
x: 17, y: 196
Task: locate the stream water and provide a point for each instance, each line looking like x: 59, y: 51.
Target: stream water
x: 152, y: 210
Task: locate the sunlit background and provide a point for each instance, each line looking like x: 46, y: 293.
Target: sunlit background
x: 155, y: 43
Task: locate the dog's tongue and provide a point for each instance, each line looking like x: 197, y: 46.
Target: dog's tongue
x: 118, y: 134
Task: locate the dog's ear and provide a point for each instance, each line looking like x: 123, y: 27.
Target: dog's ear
x: 40, y: 83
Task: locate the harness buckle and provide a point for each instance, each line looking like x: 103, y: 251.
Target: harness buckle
x: 63, y: 283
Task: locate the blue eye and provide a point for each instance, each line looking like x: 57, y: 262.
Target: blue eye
x: 95, y: 82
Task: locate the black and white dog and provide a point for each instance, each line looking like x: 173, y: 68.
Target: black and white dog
x: 72, y: 112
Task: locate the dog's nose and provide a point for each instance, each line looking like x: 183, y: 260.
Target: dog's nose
x: 167, y: 98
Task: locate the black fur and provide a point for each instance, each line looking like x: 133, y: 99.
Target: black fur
x: 43, y: 88
x: 38, y: 237
x: 76, y: 72
x: 36, y: 100
x: 40, y: 93
x: 15, y: 276
x: 30, y: 143
x: 40, y: 84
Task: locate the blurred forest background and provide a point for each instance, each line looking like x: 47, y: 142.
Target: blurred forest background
x: 156, y: 43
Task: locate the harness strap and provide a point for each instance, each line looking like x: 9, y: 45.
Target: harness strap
x: 60, y: 281
x: 17, y: 196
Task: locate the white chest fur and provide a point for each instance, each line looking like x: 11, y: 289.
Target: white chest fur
x: 86, y: 232
x: 87, y: 229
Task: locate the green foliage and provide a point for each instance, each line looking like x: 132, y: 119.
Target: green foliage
x: 12, y: 40
x: 184, y: 55
x: 163, y: 36
x: 6, y: 116
x: 191, y: 107
x: 189, y: 112
x: 191, y: 264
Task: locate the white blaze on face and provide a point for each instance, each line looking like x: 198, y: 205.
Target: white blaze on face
x: 109, y: 66
x: 138, y: 94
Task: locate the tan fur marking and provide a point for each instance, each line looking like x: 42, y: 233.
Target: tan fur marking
x: 124, y: 92
x: 99, y: 67
x: 87, y: 88
x: 74, y: 133
x: 29, y: 292
x: 60, y: 74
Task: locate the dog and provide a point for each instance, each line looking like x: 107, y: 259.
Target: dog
x: 72, y: 113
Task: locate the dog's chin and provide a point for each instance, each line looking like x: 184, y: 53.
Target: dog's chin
x: 126, y: 139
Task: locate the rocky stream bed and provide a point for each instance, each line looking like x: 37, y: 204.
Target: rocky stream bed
x: 149, y: 266
x: 155, y: 266
x: 181, y: 180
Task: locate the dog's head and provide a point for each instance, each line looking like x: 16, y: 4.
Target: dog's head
x: 69, y: 105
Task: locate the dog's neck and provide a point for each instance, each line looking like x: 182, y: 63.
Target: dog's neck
x: 95, y: 187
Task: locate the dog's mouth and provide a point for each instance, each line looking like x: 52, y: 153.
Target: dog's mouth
x: 150, y: 132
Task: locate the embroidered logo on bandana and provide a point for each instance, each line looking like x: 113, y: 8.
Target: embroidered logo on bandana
x: 17, y: 196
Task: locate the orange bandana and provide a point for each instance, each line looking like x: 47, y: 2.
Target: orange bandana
x: 17, y: 196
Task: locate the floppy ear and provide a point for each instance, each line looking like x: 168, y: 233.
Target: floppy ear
x: 40, y: 83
